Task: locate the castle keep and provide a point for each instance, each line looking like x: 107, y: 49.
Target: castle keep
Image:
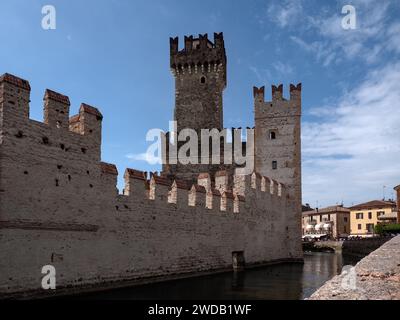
x: 60, y: 206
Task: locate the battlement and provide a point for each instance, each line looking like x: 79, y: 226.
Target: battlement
x: 196, y: 48
x: 278, y: 105
x: 15, y: 81
x: 207, y: 193
x: 14, y: 109
x: 199, y: 55
x: 277, y: 93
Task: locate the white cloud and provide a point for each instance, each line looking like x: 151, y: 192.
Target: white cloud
x: 146, y: 156
x: 354, y: 150
x: 283, y: 68
x: 278, y: 70
x: 263, y: 75
x: 285, y: 13
x: 333, y: 44
x: 393, y: 34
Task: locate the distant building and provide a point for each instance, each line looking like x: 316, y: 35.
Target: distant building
x: 365, y: 216
x: 332, y: 221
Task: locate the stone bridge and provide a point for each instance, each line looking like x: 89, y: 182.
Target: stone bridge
x: 354, y: 247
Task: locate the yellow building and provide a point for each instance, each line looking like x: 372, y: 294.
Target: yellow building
x: 365, y: 216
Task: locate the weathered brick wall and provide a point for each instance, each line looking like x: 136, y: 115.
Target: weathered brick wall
x: 59, y: 205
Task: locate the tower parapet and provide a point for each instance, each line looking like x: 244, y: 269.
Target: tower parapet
x: 199, y: 55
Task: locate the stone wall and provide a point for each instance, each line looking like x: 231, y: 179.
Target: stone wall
x: 362, y: 247
x: 59, y: 205
x: 355, y: 247
x: 376, y: 277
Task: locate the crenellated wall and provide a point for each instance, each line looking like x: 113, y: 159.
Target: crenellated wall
x: 59, y: 205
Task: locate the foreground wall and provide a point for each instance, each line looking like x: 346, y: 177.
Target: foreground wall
x: 59, y: 205
x: 376, y: 277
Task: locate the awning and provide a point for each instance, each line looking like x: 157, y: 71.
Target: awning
x: 327, y: 226
x: 314, y: 235
x: 310, y: 227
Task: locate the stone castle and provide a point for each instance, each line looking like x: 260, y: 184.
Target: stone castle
x: 60, y: 206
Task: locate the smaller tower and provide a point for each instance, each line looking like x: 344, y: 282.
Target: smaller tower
x: 278, y: 151
x: 277, y: 137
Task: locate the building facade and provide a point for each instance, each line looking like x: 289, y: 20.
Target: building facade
x: 365, y: 216
x: 332, y: 221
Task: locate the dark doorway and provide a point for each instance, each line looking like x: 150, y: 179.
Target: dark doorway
x: 238, y: 262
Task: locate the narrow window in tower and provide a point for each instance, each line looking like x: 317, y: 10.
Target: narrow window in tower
x: 272, y: 135
x: 203, y: 79
x: 274, y: 165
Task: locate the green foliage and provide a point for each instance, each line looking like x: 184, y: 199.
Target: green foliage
x: 379, y: 229
x: 387, y: 228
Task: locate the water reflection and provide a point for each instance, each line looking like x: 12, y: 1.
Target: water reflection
x: 284, y: 281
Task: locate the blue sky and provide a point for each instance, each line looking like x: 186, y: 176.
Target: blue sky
x: 115, y: 55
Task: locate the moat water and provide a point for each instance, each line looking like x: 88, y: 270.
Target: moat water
x: 283, y: 281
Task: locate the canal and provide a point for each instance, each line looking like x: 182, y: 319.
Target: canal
x: 283, y: 281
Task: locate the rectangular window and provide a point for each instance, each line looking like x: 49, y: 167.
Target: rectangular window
x: 359, y: 215
x: 274, y: 165
x: 379, y: 213
x: 345, y: 219
x: 369, y: 215
x: 359, y: 226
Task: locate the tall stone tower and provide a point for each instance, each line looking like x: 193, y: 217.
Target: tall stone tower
x: 278, y: 146
x: 200, y: 78
x: 199, y: 70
